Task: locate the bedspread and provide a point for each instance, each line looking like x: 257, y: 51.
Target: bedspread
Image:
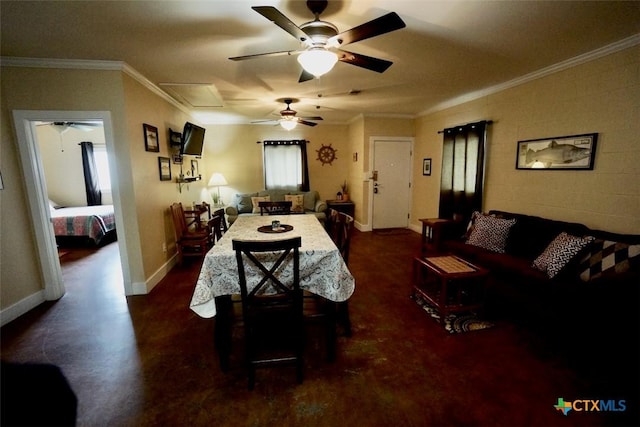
x: 93, y: 222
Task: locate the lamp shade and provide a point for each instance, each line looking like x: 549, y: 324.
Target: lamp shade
x: 317, y: 61
x: 216, y: 180
x: 288, y: 124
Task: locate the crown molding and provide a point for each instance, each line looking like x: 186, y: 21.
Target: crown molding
x: 90, y: 64
x: 560, y: 66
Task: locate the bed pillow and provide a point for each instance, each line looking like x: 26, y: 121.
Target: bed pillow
x: 606, y: 257
x: 256, y: 200
x: 560, y: 252
x: 490, y: 233
x: 297, y: 202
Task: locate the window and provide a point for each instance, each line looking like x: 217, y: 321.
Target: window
x: 285, y: 165
x: 102, y: 164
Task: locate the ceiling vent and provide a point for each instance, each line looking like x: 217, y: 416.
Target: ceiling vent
x: 194, y: 95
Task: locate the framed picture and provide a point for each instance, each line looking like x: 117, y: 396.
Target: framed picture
x: 574, y: 152
x: 164, y: 166
x: 426, y: 167
x: 194, y: 168
x: 151, y: 138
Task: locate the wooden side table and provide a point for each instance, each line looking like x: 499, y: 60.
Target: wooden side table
x: 432, y: 232
x: 347, y: 207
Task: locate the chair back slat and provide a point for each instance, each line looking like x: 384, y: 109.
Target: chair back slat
x: 340, y: 229
x: 275, y: 208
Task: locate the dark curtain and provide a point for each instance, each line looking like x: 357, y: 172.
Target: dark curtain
x: 91, y: 183
x: 305, y: 184
x: 462, y: 171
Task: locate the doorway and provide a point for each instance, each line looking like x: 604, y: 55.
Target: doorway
x: 32, y: 166
x: 391, y: 190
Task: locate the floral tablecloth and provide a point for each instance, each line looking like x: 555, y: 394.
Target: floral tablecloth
x: 322, y: 269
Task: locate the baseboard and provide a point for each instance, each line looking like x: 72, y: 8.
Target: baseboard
x: 21, y: 307
x: 143, y: 288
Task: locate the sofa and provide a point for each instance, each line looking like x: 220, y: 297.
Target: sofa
x: 246, y: 204
x: 568, y: 284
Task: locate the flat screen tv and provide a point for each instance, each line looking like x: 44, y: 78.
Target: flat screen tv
x: 192, y: 140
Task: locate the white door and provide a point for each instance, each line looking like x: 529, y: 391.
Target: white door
x: 392, y: 183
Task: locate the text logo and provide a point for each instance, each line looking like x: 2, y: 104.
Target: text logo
x: 590, y: 405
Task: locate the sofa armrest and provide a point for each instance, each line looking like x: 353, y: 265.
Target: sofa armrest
x: 321, y: 206
x: 231, y: 210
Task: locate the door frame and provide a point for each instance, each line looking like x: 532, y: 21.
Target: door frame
x: 33, y: 172
x: 372, y: 141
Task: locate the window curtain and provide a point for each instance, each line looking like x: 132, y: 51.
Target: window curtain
x: 286, y: 165
x: 91, y: 182
x: 462, y: 176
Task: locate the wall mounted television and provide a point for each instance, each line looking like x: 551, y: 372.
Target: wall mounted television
x: 192, y: 140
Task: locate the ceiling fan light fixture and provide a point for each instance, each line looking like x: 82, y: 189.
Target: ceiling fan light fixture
x: 288, y: 123
x: 317, y: 61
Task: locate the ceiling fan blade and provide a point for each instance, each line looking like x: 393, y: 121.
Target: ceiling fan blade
x: 256, y: 55
x: 305, y: 76
x: 311, y: 118
x: 304, y: 122
x: 385, y: 24
x: 368, y: 62
x: 274, y: 15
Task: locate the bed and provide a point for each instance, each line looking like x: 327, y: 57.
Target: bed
x: 92, y: 222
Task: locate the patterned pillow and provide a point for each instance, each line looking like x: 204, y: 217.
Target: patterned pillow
x: 560, y: 252
x: 297, y: 202
x: 490, y: 233
x: 256, y: 200
x: 608, y: 257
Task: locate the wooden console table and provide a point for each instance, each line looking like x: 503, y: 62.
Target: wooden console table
x: 449, y: 283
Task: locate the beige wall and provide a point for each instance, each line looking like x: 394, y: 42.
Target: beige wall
x: 39, y: 89
x: 62, y: 162
x: 601, y: 96
x: 233, y: 151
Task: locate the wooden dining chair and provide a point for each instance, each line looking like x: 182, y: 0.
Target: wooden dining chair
x: 340, y: 228
x: 275, y: 208
x: 188, y: 242
x: 272, y: 309
x: 223, y: 220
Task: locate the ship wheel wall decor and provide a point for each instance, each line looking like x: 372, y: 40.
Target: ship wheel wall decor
x: 326, y: 154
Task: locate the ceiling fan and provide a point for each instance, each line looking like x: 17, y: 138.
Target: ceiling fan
x: 321, y: 40
x: 62, y: 127
x: 288, y: 119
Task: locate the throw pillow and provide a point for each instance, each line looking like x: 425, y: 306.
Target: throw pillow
x: 608, y: 257
x: 256, y: 200
x: 297, y: 202
x: 243, y: 202
x: 490, y: 233
x: 560, y: 252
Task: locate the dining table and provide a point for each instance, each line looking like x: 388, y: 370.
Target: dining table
x: 323, y: 272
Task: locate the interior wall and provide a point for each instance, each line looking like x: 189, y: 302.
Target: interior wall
x: 38, y: 89
x: 62, y: 162
x: 232, y: 150
x: 601, y: 96
x: 152, y: 197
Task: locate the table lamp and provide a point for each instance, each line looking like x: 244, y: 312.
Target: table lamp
x: 217, y: 180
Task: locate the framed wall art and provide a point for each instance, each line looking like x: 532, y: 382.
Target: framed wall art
x: 426, y: 167
x: 164, y: 167
x: 573, y: 152
x: 151, y: 138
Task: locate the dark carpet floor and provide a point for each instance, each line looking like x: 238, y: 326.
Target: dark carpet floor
x: 149, y: 360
